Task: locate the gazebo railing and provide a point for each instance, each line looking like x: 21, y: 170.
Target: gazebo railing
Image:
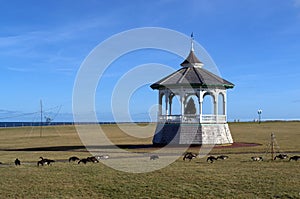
x: 172, y: 118
x: 209, y: 119
x: 213, y: 119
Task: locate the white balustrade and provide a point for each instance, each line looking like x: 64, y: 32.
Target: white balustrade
x: 210, y: 119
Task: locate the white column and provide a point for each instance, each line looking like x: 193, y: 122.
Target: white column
x: 225, y: 104
x: 160, y: 103
x: 170, y: 104
x: 216, y: 112
x: 200, y: 105
x: 182, y: 98
x: 167, y: 102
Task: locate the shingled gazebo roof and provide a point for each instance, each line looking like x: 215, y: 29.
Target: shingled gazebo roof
x: 192, y: 75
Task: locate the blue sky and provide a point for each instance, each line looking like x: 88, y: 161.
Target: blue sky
x: 255, y: 45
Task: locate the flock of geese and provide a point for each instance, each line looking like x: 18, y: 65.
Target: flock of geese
x: 186, y: 156
x: 189, y: 156
x: 46, y: 161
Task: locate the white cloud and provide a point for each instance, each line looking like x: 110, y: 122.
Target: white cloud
x: 26, y: 41
x: 63, y: 46
x: 20, y: 69
x: 5, y: 111
x: 297, y: 3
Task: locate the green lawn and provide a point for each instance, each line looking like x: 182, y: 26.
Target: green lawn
x: 237, y: 177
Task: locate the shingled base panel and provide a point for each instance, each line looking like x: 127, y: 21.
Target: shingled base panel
x: 177, y: 133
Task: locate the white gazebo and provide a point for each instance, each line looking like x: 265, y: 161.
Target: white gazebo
x: 190, y: 86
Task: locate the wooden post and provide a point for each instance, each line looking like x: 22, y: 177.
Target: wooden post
x: 272, y: 145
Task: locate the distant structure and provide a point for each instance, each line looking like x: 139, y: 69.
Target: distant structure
x: 186, y: 90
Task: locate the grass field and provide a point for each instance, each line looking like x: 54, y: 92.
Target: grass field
x: 237, y: 177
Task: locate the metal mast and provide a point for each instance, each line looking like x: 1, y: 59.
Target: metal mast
x: 41, y: 124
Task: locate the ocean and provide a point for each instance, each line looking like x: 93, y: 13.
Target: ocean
x: 20, y: 124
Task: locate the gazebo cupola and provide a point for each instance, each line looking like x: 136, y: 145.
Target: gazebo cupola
x: 190, y: 85
x: 192, y: 60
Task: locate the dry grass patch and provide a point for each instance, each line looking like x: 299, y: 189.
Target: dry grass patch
x: 237, y: 177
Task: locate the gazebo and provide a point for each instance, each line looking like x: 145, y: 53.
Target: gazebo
x: 190, y: 86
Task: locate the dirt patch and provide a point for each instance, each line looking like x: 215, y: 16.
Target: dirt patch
x: 237, y: 145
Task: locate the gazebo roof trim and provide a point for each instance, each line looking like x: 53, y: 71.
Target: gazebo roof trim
x: 193, y: 76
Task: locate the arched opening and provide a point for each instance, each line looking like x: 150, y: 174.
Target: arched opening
x: 221, y: 104
x: 191, y: 106
x: 208, y: 104
x: 175, y: 105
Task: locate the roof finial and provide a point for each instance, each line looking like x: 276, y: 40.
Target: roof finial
x: 192, y: 42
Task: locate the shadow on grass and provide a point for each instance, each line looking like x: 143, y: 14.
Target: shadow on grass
x: 128, y: 146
